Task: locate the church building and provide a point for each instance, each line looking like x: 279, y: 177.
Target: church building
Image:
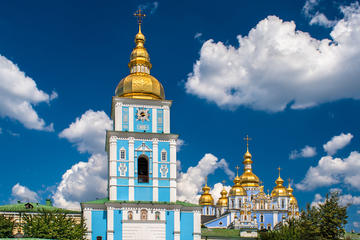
x: 247, y: 207
x: 141, y: 202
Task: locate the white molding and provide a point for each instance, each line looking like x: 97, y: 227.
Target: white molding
x: 176, y: 224
x: 155, y: 169
x: 131, y: 169
x: 118, y: 117
x: 87, y: 217
x: 154, y: 120
x: 172, y: 170
x: 166, y: 122
x: 131, y: 119
x: 110, y: 224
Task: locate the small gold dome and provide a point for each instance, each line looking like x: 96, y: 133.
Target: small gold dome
x: 206, y: 198
x: 140, y: 84
x: 293, y: 200
x: 237, y: 189
x: 279, y: 190
x: 223, y: 200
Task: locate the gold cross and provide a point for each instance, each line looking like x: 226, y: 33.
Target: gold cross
x: 139, y: 15
x: 206, y: 180
x: 279, y: 170
x: 237, y: 170
x: 247, y: 139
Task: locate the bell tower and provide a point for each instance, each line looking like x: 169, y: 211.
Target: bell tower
x: 141, y: 149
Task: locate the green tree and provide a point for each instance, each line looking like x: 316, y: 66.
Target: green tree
x: 53, y: 226
x: 308, y: 223
x: 332, y: 218
x: 6, y: 227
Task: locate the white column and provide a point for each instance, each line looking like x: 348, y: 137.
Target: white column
x: 87, y: 217
x: 176, y: 224
x: 155, y: 172
x: 118, y: 116
x: 166, y: 119
x: 154, y: 120
x: 112, y: 168
x: 110, y: 224
x: 197, y: 225
x: 173, y: 170
x: 275, y: 218
x: 131, y: 119
x: 131, y: 169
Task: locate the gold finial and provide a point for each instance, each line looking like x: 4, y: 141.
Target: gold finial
x: 261, y: 182
x: 206, y: 181
x: 247, y: 139
x: 237, y: 170
x: 223, y: 181
x: 139, y: 15
x: 279, y: 170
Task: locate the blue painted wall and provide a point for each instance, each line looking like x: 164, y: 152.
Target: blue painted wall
x: 169, y: 225
x: 164, y: 194
x: 186, y: 226
x: 143, y: 193
x: 216, y: 223
x: 98, y: 223
x: 160, y: 121
x: 142, y: 126
x: 117, y: 224
x: 125, y: 118
x: 122, y: 193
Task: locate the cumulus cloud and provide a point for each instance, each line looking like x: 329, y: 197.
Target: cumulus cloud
x: 330, y: 171
x: 215, y: 191
x: 306, y: 152
x: 85, y: 180
x: 189, y: 183
x: 344, y: 200
x: 321, y: 20
x: 276, y: 66
x: 19, y: 94
x: 88, y: 131
x: 337, y: 142
x: 24, y: 194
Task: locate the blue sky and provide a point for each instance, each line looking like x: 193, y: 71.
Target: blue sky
x: 283, y: 72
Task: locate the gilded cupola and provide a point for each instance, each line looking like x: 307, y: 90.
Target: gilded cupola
x: 248, y: 178
x: 206, y: 198
x: 279, y: 190
x: 237, y: 189
x: 223, y: 200
x: 139, y: 83
x: 290, y: 191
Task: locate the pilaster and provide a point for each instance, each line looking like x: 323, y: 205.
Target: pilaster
x: 118, y: 116
x: 177, y: 224
x: 131, y: 169
x: 154, y: 120
x: 110, y: 224
x: 112, y: 168
x: 87, y: 217
x: 155, y: 169
x: 197, y: 225
x: 173, y: 170
x: 166, y: 119
x: 131, y: 119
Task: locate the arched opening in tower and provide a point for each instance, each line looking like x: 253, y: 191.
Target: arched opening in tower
x: 143, y: 169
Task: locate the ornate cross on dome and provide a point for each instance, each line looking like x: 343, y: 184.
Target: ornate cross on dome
x: 279, y: 170
x: 237, y: 170
x: 247, y: 139
x: 139, y: 15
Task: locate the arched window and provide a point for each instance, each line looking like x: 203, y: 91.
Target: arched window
x: 122, y: 154
x: 239, y: 203
x: 163, y: 156
x: 143, y: 169
x: 130, y: 215
x: 232, y: 203
x: 157, y: 215
x: 207, y: 210
x: 261, y: 218
x: 143, y: 214
x: 282, y: 203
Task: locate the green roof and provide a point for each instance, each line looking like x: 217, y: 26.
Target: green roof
x: 106, y: 200
x: 20, y: 207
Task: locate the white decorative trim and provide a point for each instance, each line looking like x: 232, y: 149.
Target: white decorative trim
x: 177, y: 224
x: 87, y: 217
x: 131, y: 169
x: 164, y: 170
x: 122, y: 169
x: 131, y: 119
x: 143, y: 148
x: 113, y: 140
x: 118, y: 117
x: 155, y: 143
x: 110, y: 224
x: 166, y: 124
x: 154, y: 120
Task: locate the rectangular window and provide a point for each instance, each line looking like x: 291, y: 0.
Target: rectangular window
x: 122, y: 154
x: 163, y: 156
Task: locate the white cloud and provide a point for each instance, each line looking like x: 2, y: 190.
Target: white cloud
x: 88, y: 131
x: 85, y: 180
x: 215, y: 191
x: 18, y: 95
x: 356, y: 224
x: 321, y: 20
x: 179, y: 144
x: 310, y: 6
x: 189, y: 183
x: 330, y: 171
x: 358, y: 212
x: 150, y: 6
x: 1, y: 131
x: 24, y: 194
x: 337, y: 142
x: 344, y: 200
x: 276, y: 65
x: 197, y: 35
x: 306, y: 152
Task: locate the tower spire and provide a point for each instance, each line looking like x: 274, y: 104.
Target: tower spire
x: 139, y: 15
x: 247, y: 139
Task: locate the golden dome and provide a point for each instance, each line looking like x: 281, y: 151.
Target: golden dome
x: 293, y: 200
x: 223, y: 200
x: 237, y: 189
x: 248, y: 178
x: 140, y: 84
x: 279, y: 190
x: 206, y: 198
